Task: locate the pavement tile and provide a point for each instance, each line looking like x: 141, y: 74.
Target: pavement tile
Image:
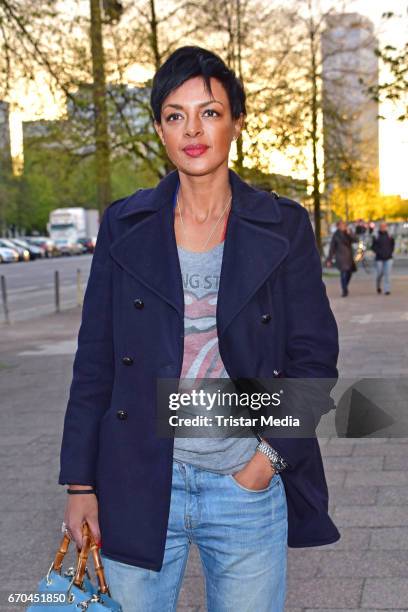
x: 362, y: 442
x: 354, y: 463
x: 377, y: 478
x: 327, y: 592
x: 334, y: 477
x: 303, y: 563
x: 368, y: 563
x: 371, y: 516
x: 351, y: 538
x: 349, y: 610
x: 336, y: 441
x: 367, y: 503
x: 396, y: 462
x: 389, y: 538
x: 192, y: 592
x: 194, y: 566
x: 392, y: 496
x: 337, y: 450
x: 385, y: 593
x: 346, y: 496
x: 381, y: 449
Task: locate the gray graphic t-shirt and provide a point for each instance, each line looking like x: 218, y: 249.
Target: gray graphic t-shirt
x: 201, y: 275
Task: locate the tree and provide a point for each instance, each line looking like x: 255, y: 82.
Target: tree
x: 102, y: 144
x: 320, y: 118
x: 32, y: 33
x: 275, y: 50
x: 362, y: 201
x: 395, y: 60
x: 254, y: 39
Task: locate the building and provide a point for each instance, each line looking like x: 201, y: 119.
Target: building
x: 5, y: 156
x: 350, y: 115
x: 129, y: 122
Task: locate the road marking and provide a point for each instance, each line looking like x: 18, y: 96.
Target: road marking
x: 64, y: 347
x: 362, y: 319
x: 380, y: 317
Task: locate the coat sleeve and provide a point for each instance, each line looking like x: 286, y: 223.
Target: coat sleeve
x: 93, y: 369
x: 312, y: 344
x: 332, y: 248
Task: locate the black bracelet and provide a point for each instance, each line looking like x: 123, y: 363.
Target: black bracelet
x: 80, y: 491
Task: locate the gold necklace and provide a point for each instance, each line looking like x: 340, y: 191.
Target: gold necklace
x: 213, y: 230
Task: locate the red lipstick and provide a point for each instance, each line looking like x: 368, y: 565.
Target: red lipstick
x: 195, y: 150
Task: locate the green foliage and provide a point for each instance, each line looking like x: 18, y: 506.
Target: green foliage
x: 55, y: 179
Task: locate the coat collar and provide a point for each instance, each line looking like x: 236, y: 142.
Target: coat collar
x: 253, y: 248
x: 247, y: 202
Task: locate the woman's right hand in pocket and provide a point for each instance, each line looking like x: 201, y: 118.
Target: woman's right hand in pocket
x: 81, y: 508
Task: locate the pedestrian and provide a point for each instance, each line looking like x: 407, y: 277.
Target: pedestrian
x: 159, y: 304
x: 383, y: 247
x: 360, y: 228
x: 342, y: 251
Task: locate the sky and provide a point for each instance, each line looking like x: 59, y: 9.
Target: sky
x: 27, y: 105
x: 393, y: 134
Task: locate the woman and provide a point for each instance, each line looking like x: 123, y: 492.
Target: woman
x: 342, y: 250
x: 158, y: 305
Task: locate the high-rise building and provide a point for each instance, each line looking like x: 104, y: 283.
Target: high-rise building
x: 5, y: 153
x: 129, y: 122
x: 350, y: 115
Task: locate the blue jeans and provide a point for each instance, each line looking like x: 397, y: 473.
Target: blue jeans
x: 345, y: 276
x: 383, y: 269
x: 241, y: 535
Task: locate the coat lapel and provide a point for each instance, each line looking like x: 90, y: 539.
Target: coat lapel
x: 252, y: 251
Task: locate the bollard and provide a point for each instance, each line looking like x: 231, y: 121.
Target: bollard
x: 80, y: 297
x: 4, y: 299
x: 57, y: 290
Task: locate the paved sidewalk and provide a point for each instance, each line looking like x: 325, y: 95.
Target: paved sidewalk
x: 368, y: 480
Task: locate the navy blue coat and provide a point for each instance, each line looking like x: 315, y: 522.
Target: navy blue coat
x: 132, y: 331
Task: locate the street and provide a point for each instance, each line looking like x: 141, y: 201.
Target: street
x: 368, y: 481
x: 31, y: 287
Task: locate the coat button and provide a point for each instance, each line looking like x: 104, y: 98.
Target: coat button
x: 138, y: 303
x: 122, y: 414
x: 266, y: 318
x: 127, y: 360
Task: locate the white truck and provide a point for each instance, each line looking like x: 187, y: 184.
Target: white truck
x: 68, y: 225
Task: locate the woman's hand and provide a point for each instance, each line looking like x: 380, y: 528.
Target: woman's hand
x: 256, y: 474
x: 81, y: 508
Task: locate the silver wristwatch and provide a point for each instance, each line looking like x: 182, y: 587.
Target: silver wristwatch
x: 276, y: 461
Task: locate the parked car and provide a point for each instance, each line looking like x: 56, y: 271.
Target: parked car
x: 67, y: 247
x: 8, y: 255
x: 36, y: 252
x: 45, y: 243
x: 23, y: 254
x: 88, y: 243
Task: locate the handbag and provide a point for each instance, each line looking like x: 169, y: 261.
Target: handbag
x: 73, y: 589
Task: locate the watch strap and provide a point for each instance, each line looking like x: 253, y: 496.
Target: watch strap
x: 277, y: 462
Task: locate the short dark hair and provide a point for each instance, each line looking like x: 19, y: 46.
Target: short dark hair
x: 192, y: 61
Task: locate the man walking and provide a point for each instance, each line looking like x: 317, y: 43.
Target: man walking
x: 383, y: 247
